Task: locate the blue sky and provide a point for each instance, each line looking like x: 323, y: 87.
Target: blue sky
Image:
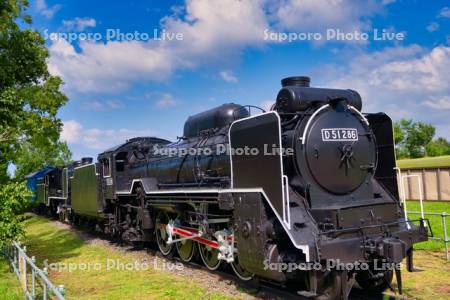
x: 120, y: 88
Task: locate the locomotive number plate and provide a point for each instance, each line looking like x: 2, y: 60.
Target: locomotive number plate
x: 339, y: 134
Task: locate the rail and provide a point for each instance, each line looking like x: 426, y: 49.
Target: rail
x: 34, y: 281
x: 445, y: 238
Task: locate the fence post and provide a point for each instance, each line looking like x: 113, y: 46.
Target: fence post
x: 23, y: 262
x: 15, y: 251
x: 438, y: 181
x: 44, y: 286
x: 33, y: 279
x: 62, y: 290
x: 424, y: 183
x: 444, y: 224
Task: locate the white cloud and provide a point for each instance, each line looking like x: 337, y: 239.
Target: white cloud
x: 98, y: 105
x: 79, y: 24
x: 46, y: 11
x: 228, y: 76
x: 445, y: 12
x: 108, y: 67
x: 433, y: 26
x: 166, y: 101
x: 429, y: 72
x: 214, y: 33
x: 440, y: 103
x: 267, y: 105
x: 97, y: 139
x: 71, y: 131
x: 318, y: 16
x: 404, y: 82
x: 218, y: 30
x: 206, y: 39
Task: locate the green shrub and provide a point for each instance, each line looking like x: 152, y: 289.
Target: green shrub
x: 14, y: 200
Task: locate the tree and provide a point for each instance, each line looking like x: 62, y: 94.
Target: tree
x: 29, y: 101
x: 438, y: 147
x: 399, y: 136
x: 30, y: 158
x: 29, y: 96
x: 412, y: 138
x: 13, y: 198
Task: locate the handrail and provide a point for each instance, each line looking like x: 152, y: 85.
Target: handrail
x: 445, y: 238
x: 20, y: 261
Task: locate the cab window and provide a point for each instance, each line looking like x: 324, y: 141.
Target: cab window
x: 106, y: 163
x: 121, y: 160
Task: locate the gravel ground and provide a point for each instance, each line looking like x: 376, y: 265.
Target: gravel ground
x: 431, y: 283
x: 216, y: 282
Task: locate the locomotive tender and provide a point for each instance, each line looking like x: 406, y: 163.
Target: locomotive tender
x: 326, y: 191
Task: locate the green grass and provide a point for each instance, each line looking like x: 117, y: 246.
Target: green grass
x: 426, y: 162
x: 9, y: 284
x: 50, y: 242
x: 45, y: 240
x: 435, y: 222
x: 432, y: 282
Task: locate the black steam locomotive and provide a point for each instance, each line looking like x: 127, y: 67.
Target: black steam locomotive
x: 276, y: 195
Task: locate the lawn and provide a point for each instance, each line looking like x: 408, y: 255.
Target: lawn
x: 59, y: 245
x: 9, y: 285
x: 425, y: 162
x: 432, y: 281
x: 99, y: 272
x: 435, y: 222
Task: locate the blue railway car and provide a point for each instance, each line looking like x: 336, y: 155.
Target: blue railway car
x: 33, y: 178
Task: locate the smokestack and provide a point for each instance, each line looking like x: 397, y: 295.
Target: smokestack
x: 303, y: 81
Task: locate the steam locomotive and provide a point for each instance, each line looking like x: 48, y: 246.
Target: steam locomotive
x: 275, y: 195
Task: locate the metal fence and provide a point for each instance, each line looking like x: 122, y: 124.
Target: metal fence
x: 406, y: 182
x: 34, y: 281
x: 445, y: 237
